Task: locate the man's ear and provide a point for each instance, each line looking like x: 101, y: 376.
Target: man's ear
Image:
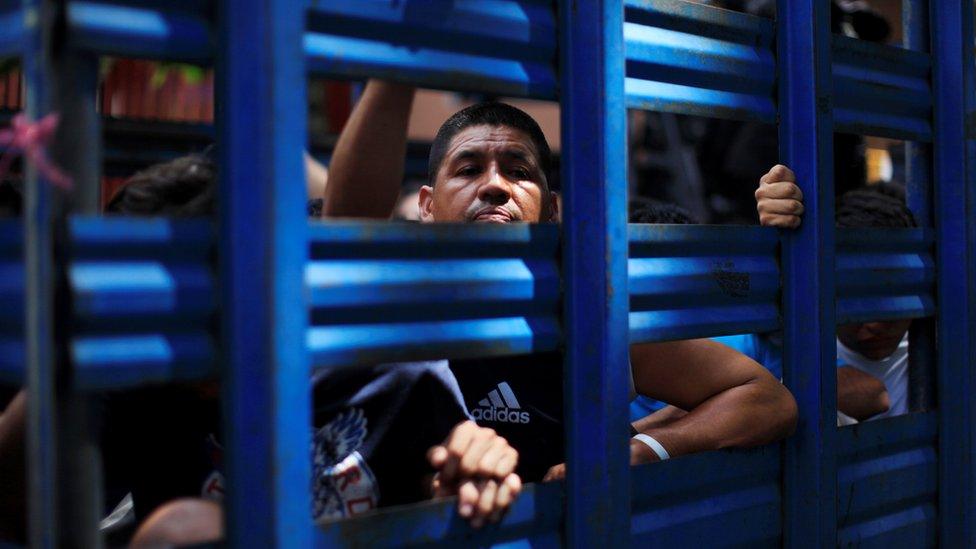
x: 553, y: 207
x: 425, y: 199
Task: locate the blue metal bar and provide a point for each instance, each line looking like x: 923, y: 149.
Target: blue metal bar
x: 689, y: 58
x: 699, y: 500
x: 39, y: 323
x: 594, y: 266
x: 11, y: 302
x: 918, y: 156
x: 344, y: 57
x: 76, y: 147
x: 967, y: 422
x: 696, y: 281
x: 887, y: 480
x: 12, y: 35
x: 386, y: 342
x: 954, y: 226
x: 533, y: 521
x: 263, y: 248
x: 129, y: 360
x: 498, y: 29
x: 805, y: 140
x: 702, y: 20
x: 152, y: 29
x: 506, y: 48
x: 884, y: 274
x: 881, y: 90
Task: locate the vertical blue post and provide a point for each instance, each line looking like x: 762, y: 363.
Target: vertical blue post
x: 263, y: 249
x: 595, y: 270
x: 805, y: 140
x: 953, y: 222
x: 969, y: 373
x: 918, y: 156
x: 39, y: 295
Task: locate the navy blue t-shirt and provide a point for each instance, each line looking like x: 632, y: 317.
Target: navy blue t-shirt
x: 372, y: 428
x: 521, y: 398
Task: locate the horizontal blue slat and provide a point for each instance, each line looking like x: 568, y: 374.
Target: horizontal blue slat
x: 887, y: 479
x: 12, y: 35
x: 344, y: 291
x: 126, y: 289
x: 382, y: 240
x: 700, y: 19
x: 128, y: 238
x: 884, y: 274
x: 11, y: 294
x: 12, y: 359
x: 11, y: 302
x: 694, y: 59
x: 143, y: 299
x: 166, y: 30
x: 501, y: 47
x: 909, y: 528
x: 533, y: 521
x: 881, y: 90
x: 498, y: 47
x: 386, y: 292
x: 345, y: 57
x: 704, y: 500
x: 120, y: 361
x: 497, y: 28
x: 696, y: 281
x: 375, y: 343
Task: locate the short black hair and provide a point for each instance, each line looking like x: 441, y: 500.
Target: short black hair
x: 491, y: 113
x: 183, y: 187
x: 876, y: 205
x: 654, y: 211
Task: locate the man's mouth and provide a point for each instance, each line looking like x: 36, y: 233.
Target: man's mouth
x: 878, y: 347
x: 493, y: 215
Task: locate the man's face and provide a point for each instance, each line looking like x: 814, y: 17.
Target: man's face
x: 873, y: 340
x: 489, y: 174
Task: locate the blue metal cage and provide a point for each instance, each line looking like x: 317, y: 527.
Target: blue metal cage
x: 91, y: 303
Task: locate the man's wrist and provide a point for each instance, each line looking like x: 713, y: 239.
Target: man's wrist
x: 640, y: 453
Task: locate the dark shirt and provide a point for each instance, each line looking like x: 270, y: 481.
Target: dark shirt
x: 372, y: 429
x: 521, y: 398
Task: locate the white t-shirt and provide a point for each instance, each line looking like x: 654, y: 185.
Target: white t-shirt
x: 892, y: 371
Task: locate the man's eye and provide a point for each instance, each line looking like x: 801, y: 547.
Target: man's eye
x: 468, y: 170
x: 520, y: 173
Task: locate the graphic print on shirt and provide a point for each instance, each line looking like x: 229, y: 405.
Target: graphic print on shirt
x: 501, y: 406
x: 343, y: 483
x: 213, y: 487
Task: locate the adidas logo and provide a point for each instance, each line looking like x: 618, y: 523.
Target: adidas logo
x: 501, y: 405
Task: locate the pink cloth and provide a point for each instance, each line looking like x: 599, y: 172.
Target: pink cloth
x: 30, y: 139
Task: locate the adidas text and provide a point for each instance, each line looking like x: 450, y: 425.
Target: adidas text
x: 502, y: 415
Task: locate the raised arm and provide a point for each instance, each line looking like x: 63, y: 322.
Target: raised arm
x: 367, y: 165
x: 859, y: 394
x: 731, y: 400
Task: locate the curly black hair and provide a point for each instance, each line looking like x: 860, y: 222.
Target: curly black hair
x: 875, y: 205
x: 182, y: 187
x: 654, y: 211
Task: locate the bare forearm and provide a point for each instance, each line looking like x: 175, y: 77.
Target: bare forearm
x: 747, y: 415
x: 12, y: 470
x: 660, y: 418
x: 860, y: 395
x: 367, y: 165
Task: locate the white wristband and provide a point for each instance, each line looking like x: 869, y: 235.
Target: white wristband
x: 654, y: 445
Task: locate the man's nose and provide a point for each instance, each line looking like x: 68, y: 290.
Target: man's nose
x: 496, y: 189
